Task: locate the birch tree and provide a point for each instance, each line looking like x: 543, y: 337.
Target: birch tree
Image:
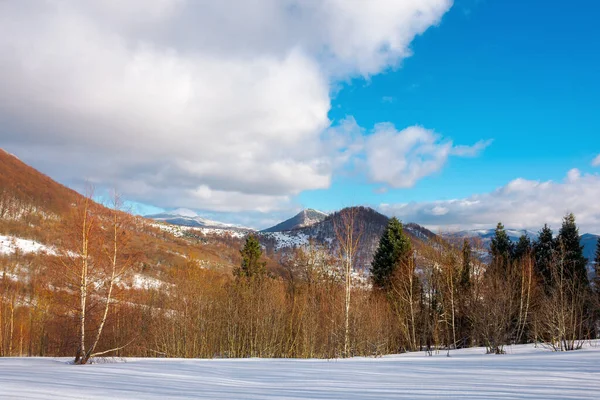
x: 92, y: 263
x: 348, y: 233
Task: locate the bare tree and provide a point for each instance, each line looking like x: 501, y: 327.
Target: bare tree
x: 92, y: 264
x: 565, y: 316
x: 405, y: 294
x: 348, y: 233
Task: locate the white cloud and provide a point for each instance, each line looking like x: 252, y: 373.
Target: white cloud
x: 520, y: 204
x: 401, y: 158
x: 212, y: 105
x: 596, y: 161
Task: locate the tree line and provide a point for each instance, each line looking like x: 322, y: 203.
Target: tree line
x: 433, y: 296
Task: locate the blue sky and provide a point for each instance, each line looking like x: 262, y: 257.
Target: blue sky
x: 523, y: 75
x: 452, y: 114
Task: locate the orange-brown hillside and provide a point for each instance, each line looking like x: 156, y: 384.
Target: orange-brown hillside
x: 33, y: 206
x: 29, y: 186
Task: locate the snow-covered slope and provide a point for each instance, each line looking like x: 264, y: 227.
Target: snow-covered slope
x: 303, y: 219
x: 12, y: 244
x: 185, y: 217
x: 525, y: 372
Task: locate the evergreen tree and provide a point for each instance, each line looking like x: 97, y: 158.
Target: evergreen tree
x: 251, y: 265
x: 465, y: 275
x: 572, y: 250
x: 501, y: 249
x: 544, y: 249
x: 394, y: 246
x: 523, y: 247
x: 597, y: 267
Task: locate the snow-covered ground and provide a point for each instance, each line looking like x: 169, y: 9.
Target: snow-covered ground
x: 11, y: 244
x: 525, y: 373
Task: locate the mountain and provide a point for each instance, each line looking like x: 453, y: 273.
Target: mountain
x: 189, y: 218
x: 303, y: 219
x: 486, y: 235
x: 368, y: 223
x: 589, y: 242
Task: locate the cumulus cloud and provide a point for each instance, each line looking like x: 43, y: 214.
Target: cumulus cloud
x: 211, y: 105
x: 596, y: 161
x: 520, y: 204
x: 401, y: 158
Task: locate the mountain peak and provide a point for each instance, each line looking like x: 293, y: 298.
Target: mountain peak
x: 304, y: 218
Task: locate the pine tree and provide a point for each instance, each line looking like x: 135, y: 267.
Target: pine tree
x: 251, y: 265
x: 523, y: 247
x: 544, y: 249
x: 572, y: 250
x: 501, y: 249
x: 394, y: 245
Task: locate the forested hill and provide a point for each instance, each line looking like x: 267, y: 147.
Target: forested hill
x: 368, y: 226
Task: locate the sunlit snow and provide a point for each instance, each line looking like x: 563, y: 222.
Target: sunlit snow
x: 524, y: 373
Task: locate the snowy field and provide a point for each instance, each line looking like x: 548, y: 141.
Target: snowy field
x: 525, y: 373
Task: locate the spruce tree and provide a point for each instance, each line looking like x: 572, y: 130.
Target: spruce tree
x: 501, y: 249
x: 394, y: 246
x: 597, y: 268
x: 544, y: 249
x: 251, y: 265
x: 523, y: 247
x: 572, y: 250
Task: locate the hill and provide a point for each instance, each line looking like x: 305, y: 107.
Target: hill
x: 33, y: 208
x: 189, y: 218
x: 369, y: 224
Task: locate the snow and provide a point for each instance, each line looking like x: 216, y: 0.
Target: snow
x: 287, y: 239
x: 11, y: 244
x: 179, y: 230
x: 525, y: 373
x: 184, y: 212
x: 185, y: 217
x: 146, y: 282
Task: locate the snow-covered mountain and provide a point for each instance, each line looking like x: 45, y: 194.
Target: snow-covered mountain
x: 486, y: 235
x: 185, y: 217
x: 303, y: 219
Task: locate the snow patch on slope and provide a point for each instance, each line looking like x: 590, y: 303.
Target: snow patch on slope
x: 12, y: 244
x: 287, y: 239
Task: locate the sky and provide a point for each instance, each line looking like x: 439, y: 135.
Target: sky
x: 451, y: 114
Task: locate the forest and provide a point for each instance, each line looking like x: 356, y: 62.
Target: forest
x: 80, y: 298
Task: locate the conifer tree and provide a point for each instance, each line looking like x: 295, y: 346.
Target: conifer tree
x: 572, y: 250
x: 501, y: 249
x: 393, y: 247
x: 251, y: 265
x: 544, y: 249
x: 523, y: 247
x: 597, y: 269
